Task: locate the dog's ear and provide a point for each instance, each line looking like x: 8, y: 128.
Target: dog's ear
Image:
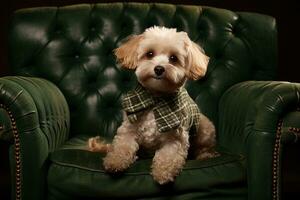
x: 197, y: 61
x: 127, y: 53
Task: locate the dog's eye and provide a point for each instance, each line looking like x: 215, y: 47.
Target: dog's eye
x: 149, y: 54
x: 173, y: 59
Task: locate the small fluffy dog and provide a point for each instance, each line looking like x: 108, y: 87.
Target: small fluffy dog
x: 159, y: 114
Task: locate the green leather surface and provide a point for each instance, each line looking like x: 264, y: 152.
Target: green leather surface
x: 249, y: 115
x: 72, y: 47
x: 78, y: 172
x: 42, y: 120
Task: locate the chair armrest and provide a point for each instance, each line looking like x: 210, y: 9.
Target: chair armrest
x: 34, y: 117
x: 250, y: 123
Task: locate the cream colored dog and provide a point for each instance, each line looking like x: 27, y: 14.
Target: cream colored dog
x: 163, y: 59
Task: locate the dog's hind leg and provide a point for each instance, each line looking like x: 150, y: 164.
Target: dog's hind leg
x: 205, y: 139
x: 98, y: 144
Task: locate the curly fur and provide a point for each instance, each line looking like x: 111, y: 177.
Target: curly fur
x: 171, y: 148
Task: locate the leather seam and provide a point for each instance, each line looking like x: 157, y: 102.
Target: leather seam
x: 233, y: 160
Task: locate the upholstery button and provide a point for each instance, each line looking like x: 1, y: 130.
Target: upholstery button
x: 76, y: 56
x: 109, y: 52
x: 93, y: 29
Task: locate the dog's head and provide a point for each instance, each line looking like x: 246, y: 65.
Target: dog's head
x: 163, y: 59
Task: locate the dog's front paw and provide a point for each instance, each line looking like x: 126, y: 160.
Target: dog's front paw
x: 113, y: 165
x: 116, y: 163
x: 162, y: 176
x: 164, y: 170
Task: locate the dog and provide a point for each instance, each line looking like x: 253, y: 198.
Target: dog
x: 159, y: 114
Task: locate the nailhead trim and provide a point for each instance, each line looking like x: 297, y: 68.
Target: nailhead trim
x: 17, y: 152
x: 276, y: 162
x: 276, y: 156
x: 294, y: 130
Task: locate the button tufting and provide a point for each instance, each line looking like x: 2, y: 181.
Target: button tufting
x: 233, y: 30
x: 89, y: 67
x: 109, y: 52
x: 57, y: 29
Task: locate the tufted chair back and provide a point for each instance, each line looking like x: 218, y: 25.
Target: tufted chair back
x: 72, y: 47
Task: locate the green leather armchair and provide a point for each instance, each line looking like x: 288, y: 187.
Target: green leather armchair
x: 66, y: 87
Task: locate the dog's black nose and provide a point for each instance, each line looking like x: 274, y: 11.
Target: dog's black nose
x: 159, y: 70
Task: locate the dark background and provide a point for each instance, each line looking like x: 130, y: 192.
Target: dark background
x: 287, y: 16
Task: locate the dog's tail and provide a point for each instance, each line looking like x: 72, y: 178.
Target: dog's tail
x: 98, y: 144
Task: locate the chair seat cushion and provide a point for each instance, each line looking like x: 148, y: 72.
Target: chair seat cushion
x: 77, y: 171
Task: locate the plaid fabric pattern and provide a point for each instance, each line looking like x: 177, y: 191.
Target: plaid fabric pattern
x: 170, y: 111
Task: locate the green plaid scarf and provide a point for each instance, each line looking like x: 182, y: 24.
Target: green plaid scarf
x: 169, y: 111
